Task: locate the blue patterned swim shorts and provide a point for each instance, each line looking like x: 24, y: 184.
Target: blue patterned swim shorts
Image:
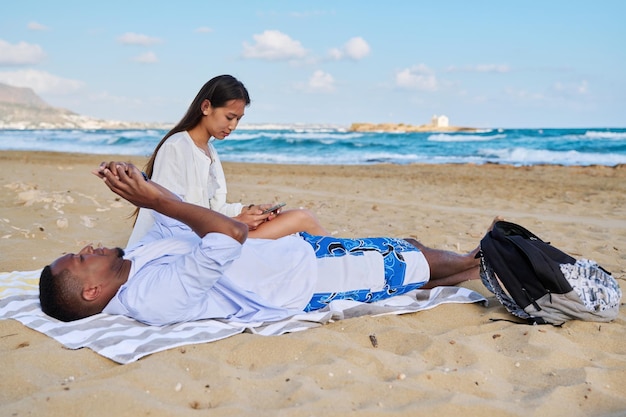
x: 395, y: 267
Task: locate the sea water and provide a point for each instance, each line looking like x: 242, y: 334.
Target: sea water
x: 317, y: 145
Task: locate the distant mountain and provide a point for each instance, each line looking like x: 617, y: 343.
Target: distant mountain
x: 20, y: 95
x: 21, y: 108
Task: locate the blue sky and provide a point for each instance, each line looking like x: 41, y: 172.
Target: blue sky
x: 482, y: 63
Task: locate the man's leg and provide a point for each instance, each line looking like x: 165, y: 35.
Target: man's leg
x: 450, y: 280
x: 448, y: 268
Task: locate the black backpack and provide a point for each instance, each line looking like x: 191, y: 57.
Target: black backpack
x: 542, y: 284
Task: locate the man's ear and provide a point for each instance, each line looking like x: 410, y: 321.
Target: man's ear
x: 91, y: 293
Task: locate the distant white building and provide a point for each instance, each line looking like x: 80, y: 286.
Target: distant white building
x: 440, y: 121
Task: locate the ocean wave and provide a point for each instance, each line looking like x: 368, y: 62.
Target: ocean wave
x: 525, y: 156
x: 446, y: 137
x: 595, y: 134
x: 328, y: 158
x: 302, y: 127
x: 511, y: 147
x: 294, y: 136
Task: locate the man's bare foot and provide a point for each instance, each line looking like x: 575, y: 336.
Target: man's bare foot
x: 474, y: 252
x: 493, y: 223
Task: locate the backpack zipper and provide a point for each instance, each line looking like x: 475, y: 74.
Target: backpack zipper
x: 532, y: 300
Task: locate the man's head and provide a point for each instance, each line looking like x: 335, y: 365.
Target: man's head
x: 80, y: 285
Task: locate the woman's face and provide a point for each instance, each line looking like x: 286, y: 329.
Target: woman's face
x: 221, y: 121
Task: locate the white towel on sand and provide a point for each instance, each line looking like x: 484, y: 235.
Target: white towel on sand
x: 125, y: 340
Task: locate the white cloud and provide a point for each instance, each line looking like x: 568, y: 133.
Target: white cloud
x: 273, y: 45
x: 36, y: 26
x: 21, y: 53
x: 203, y: 29
x: 130, y: 38
x: 523, y: 95
x: 419, y: 77
x: 109, y: 99
x: 500, y: 68
x: 321, y: 81
x: 312, y: 13
x: 335, y: 53
x: 146, y: 58
x: 492, y: 68
x: 558, y: 93
x: 356, y: 48
x: 41, y: 82
x: 572, y: 88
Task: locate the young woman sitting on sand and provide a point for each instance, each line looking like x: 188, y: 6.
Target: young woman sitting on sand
x: 186, y: 162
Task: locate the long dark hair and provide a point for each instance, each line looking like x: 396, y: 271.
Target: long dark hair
x: 219, y: 91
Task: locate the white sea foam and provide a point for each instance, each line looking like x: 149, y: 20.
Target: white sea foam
x: 301, y: 127
x: 595, y: 134
x: 525, y: 156
x: 293, y: 135
x: 445, y: 137
x: 239, y: 135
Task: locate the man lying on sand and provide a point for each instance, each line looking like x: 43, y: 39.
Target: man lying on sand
x: 198, y: 264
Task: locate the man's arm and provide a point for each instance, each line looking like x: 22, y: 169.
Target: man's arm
x: 128, y: 182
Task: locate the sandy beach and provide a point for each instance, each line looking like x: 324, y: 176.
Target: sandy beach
x: 451, y: 360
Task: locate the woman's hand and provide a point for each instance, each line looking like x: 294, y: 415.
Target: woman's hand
x: 253, y: 215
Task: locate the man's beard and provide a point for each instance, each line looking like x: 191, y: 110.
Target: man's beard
x: 120, y: 252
